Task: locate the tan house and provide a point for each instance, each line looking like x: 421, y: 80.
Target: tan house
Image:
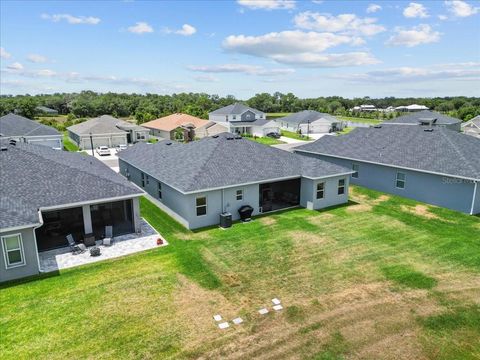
x: 180, y: 126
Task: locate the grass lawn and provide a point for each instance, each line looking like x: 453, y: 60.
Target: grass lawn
x: 265, y: 140
x: 360, y: 120
x: 381, y: 278
x: 294, y: 135
x: 277, y: 115
x: 68, y: 144
x: 345, y: 130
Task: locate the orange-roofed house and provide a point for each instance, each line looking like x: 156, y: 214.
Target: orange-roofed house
x: 183, y: 127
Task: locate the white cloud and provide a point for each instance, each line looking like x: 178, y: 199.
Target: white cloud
x: 372, y: 8
x: 186, y: 30
x: 442, y: 17
x: 89, y: 20
x: 346, y: 23
x: 415, y: 10
x: 4, y: 54
x: 241, y: 68
x: 206, y: 78
x: 318, y: 2
x: 328, y: 60
x: 140, y: 28
x: 421, y: 34
x: 15, y: 66
x: 268, y: 4
x: 441, y: 72
x: 36, y: 58
x: 460, y: 8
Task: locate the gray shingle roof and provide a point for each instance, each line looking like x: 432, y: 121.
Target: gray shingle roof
x: 258, y: 122
x: 36, y: 176
x: 305, y: 116
x: 235, y: 109
x: 415, y: 117
x: 441, y: 151
x: 15, y: 125
x: 215, y: 162
x: 104, y: 124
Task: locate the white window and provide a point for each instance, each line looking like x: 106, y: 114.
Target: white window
x: 159, y: 190
x: 13, y: 250
x: 341, y: 186
x: 400, y: 180
x: 355, y: 168
x: 201, y: 205
x: 320, y: 190
x: 239, y: 195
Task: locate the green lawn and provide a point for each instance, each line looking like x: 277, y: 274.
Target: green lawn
x: 277, y: 115
x: 68, y: 144
x: 345, y: 130
x: 294, y: 135
x: 266, y: 140
x: 360, y: 120
x: 380, y: 278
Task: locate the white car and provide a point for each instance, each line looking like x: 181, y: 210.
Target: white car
x: 103, y: 150
x: 120, y: 147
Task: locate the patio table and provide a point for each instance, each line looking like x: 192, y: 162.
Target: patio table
x: 89, y: 240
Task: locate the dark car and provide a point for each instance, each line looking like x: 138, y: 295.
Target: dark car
x: 273, y: 135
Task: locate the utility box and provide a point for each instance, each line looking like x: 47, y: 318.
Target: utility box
x: 225, y: 220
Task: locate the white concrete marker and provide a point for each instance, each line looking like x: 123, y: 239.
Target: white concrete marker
x: 223, y: 325
x: 217, y: 317
x: 275, y: 301
x: 277, y: 307
x: 237, y: 321
x: 263, y: 311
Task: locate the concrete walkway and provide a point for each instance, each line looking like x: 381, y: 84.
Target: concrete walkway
x: 291, y: 141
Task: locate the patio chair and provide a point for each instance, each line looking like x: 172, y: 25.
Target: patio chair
x: 76, y: 248
x: 108, y: 239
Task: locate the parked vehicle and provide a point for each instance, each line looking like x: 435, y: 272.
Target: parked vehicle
x: 273, y: 135
x: 120, y: 147
x: 103, y: 150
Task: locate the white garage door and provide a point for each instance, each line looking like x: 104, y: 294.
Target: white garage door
x: 97, y: 141
x: 315, y: 128
x: 119, y: 140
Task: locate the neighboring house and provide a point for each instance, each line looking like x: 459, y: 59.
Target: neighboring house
x: 472, y: 127
x: 197, y: 181
x: 411, y: 108
x: 310, y: 122
x: 364, y: 108
x: 22, y: 129
x: 106, y: 131
x: 43, y: 110
x: 47, y: 194
x: 209, y: 129
x: 241, y: 119
x: 434, y: 165
x: 181, y: 127
x: 426, y: 118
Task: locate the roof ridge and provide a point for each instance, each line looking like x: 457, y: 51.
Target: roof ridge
x: 457, y: 150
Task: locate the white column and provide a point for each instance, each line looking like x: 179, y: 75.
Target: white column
x: 87, y: 219
x: 136, y: 214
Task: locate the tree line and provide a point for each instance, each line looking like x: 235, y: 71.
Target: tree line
x: 151, y: 106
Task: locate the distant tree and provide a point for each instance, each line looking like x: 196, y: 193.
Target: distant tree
x: 27, y: 107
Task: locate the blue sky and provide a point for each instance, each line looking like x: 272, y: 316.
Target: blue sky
x: 310, y: 48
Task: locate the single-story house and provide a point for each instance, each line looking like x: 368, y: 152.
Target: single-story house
x: 241, y: 119
x: 430, y: 164
x: 411, y: 108
x: 196, y: 182
x: 181, y: 127
x: 426, y: 118
x: 209, y: 129
x: 43, y: 110
x: 106, y: 130
x: 472, y: 127
x: 21, y: 129
x: 47, y: 194
x: 364, y: 108
x: 310, y: 122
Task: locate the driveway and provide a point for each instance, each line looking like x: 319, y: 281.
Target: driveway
x: 289, y: 147
x: 110, y: 160
x: 291, y: 141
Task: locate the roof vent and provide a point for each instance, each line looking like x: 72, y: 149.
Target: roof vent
x: 168, y: 143
x: 238, y: 137
x: 428, y: 130
x: 377, y: 126
x: 13, y: 142
x: 230, y: 138
x: 215, y: 136
x: 3, y: 148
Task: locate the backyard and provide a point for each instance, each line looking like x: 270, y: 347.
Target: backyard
x: 382, y: 277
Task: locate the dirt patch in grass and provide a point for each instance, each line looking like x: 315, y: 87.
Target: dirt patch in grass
x: 460, y: 287
x: 420, y: 210
x: 320, y: 219
x: 268, y: 220
x: 304, y: 239
x: 359, y: 208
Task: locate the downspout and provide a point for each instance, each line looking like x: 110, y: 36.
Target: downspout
x: 223, y: 202
x: 40, y: 217
x: 473, y: 199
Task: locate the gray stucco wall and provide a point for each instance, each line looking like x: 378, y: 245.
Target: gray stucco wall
x: 308, y: 193
x: 476, y: 205
x: 53, y: 141
x: 455, y: 194
x: 31, y: 260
